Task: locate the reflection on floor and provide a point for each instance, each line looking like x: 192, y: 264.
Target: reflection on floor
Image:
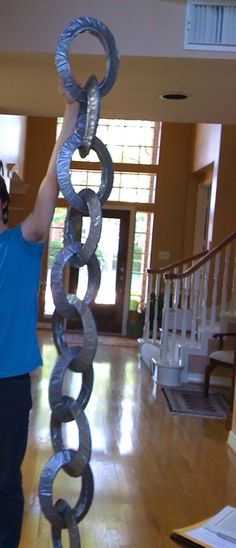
x: 150, y: 468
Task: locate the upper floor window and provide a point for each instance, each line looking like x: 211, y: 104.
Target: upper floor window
x: 127, y: 186
x: 134, y: 144
x: 128, y: 141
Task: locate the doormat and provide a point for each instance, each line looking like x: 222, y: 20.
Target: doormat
x: 192, y: 402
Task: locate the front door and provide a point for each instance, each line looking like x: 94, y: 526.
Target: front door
x: 112, y: 255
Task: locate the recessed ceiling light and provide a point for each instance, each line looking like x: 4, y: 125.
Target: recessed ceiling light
x: 175, y: 96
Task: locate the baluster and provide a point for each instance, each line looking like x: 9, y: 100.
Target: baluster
x: 146, y: 328
x: 185, y: 309
x: 201, y: 290
x: 175, y: 301
x: 175, y: 319
x: 206, y: 270
x: 196, y: 291
x: 191, y: 296
x: 157, y: 294
x: 215, y: 288
x: 165, y: 320
x: 225, y: 280
x: 177, y: 292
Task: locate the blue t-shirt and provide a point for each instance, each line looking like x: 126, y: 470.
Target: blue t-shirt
x: 20, y: 266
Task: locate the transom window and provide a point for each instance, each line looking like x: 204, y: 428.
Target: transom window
x: 128, y: 141
x: 131, y: 143
x: 127, y: 186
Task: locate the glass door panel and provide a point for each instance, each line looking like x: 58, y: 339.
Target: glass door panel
x: 107, y: 254
x: 55, y: 244
x: 112, y: 256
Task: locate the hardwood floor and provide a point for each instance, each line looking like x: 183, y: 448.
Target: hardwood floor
x: 153, y: 471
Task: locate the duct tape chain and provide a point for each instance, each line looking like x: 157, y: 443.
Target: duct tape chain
x: 78, y: 359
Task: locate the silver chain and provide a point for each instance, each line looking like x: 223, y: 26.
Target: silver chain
x: 79, y: 359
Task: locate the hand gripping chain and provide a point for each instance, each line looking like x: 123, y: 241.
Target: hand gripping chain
x: 78, y: 359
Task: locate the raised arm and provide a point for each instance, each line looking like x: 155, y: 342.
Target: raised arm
x: 36, y: 226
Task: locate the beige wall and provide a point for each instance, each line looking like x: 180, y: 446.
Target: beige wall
x: 206, y: 152
x: 225, y: 213
x: 40, y: 137
x: 206, y: 145
x: 173, y: 226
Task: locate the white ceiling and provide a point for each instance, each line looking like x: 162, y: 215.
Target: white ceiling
x: 149, y: 36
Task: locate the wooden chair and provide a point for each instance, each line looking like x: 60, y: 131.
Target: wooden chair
x: 224, y: 358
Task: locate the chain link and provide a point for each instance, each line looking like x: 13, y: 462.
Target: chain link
x: 79, y: 359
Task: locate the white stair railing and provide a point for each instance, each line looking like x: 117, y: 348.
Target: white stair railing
x: 203, y: 293
x: 155, y: 296
x: 194, y: 298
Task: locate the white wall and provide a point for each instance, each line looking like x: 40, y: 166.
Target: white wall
x: 12, y: 141
x: 141, y: 27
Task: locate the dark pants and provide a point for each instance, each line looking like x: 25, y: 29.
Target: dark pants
x: 15, y: 405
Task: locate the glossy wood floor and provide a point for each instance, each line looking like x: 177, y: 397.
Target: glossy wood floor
x: 153, y: 471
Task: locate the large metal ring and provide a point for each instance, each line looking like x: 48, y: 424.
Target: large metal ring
x: 64, y: 509
x: 95, y: 213
x: 62, y: 404
x: 83, y: 453
x: 93, y: 113
x: 50, y: 471
x: 80, y: 353
x: 73, y: 226
x: 97, y: 28
x: 76, y: 361
x: 63, y: 169
x: 60, y: 298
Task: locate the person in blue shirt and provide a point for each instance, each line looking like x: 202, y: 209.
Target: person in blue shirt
x: 21, y: 250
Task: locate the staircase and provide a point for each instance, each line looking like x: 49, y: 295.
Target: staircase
x: 187, y: 303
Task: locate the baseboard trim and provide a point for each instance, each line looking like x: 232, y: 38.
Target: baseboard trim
x: 232, y: 441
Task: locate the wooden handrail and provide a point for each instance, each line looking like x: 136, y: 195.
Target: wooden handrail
x: 178, y: 263
x: 202, y: 261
